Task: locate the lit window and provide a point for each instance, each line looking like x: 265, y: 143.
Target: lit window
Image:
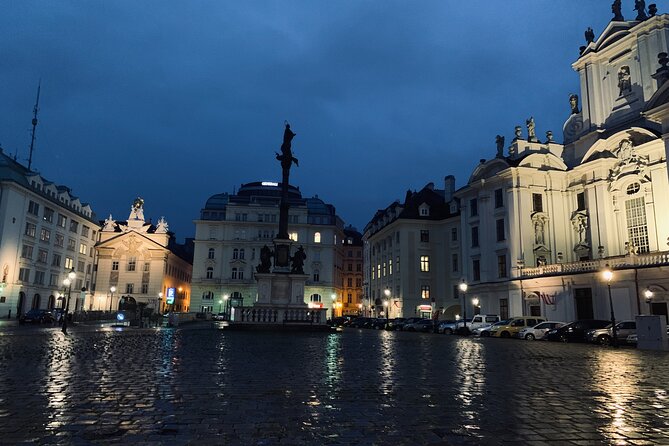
x: 425, y: 291
x: 317, y: 237
x: 83, y: 249
x: 293, y: 236
x: 69, y: 263
x: 425, y: 263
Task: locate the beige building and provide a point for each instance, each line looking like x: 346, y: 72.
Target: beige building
x: 45, y: 232
x: 141, y: 262
x: 352, y: 295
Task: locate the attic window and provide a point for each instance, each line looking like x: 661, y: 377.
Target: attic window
x: 424, y: 210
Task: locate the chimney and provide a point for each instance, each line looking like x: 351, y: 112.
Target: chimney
x: 449, y: 188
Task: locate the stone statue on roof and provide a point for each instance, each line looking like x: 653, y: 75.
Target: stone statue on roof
x: 640, y: 8
x: 573, y: 103
x: 162, y: 226
x: 589, y: 35
x: 499, y: 140
x: 110, y: 225
x: 616, y: 9
x: 137, y: 210
x: 531, y: 131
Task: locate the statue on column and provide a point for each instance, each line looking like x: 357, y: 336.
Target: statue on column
x: 286, y: 156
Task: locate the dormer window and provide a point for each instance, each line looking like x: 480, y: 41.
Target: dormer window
x: 424, y: 210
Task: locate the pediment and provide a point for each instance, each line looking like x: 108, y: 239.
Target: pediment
x: 609, y: 146
x: 543, y: 161
x: 488, y: 169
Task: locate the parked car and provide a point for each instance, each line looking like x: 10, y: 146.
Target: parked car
x: 539, y: 330
x: 408, y: 321
x: 575, y: 331
x: 514, y: 326
x: 603, y: 336
x: 378, y: 323
x: 361, y: 322
x: 424, y: 325
x: 37, y: 316
x: 479, y: 320
x: 219, y: 317
x: 396, y: 324
x: 484, y: 331
x: 449, y: 327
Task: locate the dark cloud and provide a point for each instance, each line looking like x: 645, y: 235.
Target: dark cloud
x: 176, y: 101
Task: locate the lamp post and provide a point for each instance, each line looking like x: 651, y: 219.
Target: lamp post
x: 68, y: 283
x: 220, y: 305
x: 334, y: 300
x: 607, y: 274
x: 475, y: 302
x: 649, y: 299
x: 386, y: 304
x: 112, y: 290
x: 359, y: 309
x: 225, y: 299
x: 160, y: 301
x: 463, y: 290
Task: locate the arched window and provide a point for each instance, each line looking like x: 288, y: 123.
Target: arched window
x: 52, y: 303
x: 241, y: 254
x: 317, y: 237
x: 36, y: 299
x: 316, y: 298
x: 235, y: 253
x: 211, y: 253
x: 234, y: 272
x: 210, y: 273
x: 317, y: 275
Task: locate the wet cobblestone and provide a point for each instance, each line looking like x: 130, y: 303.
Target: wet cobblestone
x: 360, y: 387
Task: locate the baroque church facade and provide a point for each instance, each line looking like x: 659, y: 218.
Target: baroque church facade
x: 541, y: 220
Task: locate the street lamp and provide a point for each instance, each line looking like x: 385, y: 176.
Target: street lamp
x: 220, y: 305
x: 112, y: 290
x: 68, y: 283
x: 463, y: 288
x: 607, y: 274
x: 649, y: 299
x: 359, y: 309
x: 475, y: 302
x: 334, y: 300
x: 225, y: 299
x: 160, y: 301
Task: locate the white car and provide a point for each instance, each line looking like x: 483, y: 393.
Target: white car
x: 484, y: 331
x: 539, y: 330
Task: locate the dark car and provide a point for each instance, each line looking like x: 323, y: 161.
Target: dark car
x: 361, y: 322
x: 408, y: 321
x: 379, y: 323
x: 396, y: 324
x: 423, y: 325
x: 576, y: 331
x: 37, y: 317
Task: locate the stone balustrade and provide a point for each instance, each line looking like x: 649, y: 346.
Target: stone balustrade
x: 621, y: 262
x: 278, y: 315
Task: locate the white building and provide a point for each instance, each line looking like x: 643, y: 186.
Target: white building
x: 142, y: 263
x: 234, y: 227
x: 45, y: 232
x: 540, y: 223
x: 412, y: 255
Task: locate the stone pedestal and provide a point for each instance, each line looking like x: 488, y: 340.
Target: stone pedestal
x: 281, y: 290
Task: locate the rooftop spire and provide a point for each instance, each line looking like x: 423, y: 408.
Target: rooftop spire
x: 32, y: 139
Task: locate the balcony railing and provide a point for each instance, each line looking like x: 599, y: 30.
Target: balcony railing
x: 278, y: 315
x: 584, y: 266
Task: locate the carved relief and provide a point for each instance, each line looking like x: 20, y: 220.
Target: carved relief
x: 624, y: 80
x: 540, y: 224
x: 580, y: 223
x: 629, y: 162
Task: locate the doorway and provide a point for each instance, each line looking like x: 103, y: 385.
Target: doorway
x: 660, y: 309
x: 583, y: 301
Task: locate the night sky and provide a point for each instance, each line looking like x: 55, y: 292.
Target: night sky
x: 177, y: 101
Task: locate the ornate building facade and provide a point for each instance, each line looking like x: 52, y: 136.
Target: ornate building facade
x: 232, y: 230
x: 141, y: 262
x: 45, y: 232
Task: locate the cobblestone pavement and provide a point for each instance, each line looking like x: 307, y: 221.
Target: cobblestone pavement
x: 203, y: 386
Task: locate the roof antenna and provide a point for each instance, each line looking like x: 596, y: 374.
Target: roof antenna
x: 32, y: 139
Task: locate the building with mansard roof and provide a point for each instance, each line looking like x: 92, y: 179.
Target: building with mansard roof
x: 412, y: 255
x: 140, y: 263
x: 45, y: 232
x: 542, y: 221
x: 233, y: 228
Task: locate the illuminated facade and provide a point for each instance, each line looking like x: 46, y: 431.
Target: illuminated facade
x: 352, y: 297
x: 45, y: 232
x: 414, y: 255
x: 233, y: 228
x: 141, y: 261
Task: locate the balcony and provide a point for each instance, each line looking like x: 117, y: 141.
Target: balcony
x: 660, y: 258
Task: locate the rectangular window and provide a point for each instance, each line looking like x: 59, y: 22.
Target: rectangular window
x: 145, y: 288
x: 378, y: 270
x: 317, y: 276
x: 424, y: 235
x: 60, y: 239
x: 504, y: 309
x: 476, y: 270
x: 499, y: 224
x: 390, y: 267
x: 115, y: 265
x: 83, y: 249
x: 384, y: 269
x: 147, y: 267
x: 349, y: 298
x: 24, y: 275
x: 62, y: 221
x: 129, y: 288
x: 537, y: 203
x: 580, y: 202
x: 455, y: 263
x: 27, y: 252
x: 55, y: 260
x: 132, y: 263
x: 475, y: 236
x: 499, y: 198
x: 39, y: 278
x: 69, y: 263
x: 71, y: 244
x: 454, y: 234
x: 358, y: 282
x: 44, y: 235
x: 425, y: 291
x: 80, y: 266
x: 501, y: 266
x: 473, y: 207
x: 48, y: 215
x: 350, y: 282
x: 53, y: 280
x: 397, y: 263
x: 425, y: 263
x: 42, y: 256
x: 85, y: 230
x: 74, y: 226
x: 33, y: 208
x: 637, y: 228
x: 31, y: 229
x: 234, y: 273
x: 293, y: 236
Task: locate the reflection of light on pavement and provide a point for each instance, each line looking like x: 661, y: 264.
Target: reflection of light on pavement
x: 613, y: 373
x: 57, y: 382
x: 387, y: 366
x: 471, y: 367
